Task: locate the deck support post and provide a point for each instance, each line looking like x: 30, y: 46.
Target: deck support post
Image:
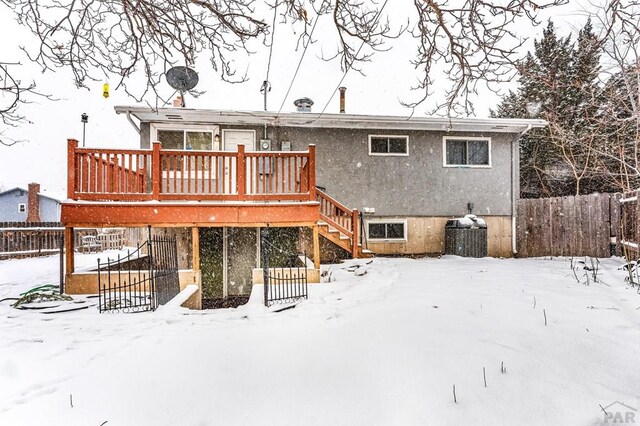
x: 69, y: 249
x: 355, y: 228
x: 72, y: 144
x: 316, y: 247
x: 195, y: 248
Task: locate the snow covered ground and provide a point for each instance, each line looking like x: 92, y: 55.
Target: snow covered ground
x: 378, y: 349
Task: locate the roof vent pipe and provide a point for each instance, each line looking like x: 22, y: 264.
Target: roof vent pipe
x: 342, y: 92
x: 303, y: 104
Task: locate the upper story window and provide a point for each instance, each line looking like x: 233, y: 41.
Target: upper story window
x: 467, y: 152
x: 388, y: 145
x: 22, y: 208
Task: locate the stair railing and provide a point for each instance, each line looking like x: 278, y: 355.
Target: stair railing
x: 339, y: 217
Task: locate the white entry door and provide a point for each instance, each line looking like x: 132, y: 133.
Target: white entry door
x: 230, y: 141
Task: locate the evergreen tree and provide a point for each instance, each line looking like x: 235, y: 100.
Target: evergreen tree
x: 561, y: 77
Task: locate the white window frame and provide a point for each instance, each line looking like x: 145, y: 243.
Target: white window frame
x: 387, y: 240
x: 389, y: 154
x: 191, y: 174
x: 213, y: 128
x: 22, y: 208
x: 465, y: 138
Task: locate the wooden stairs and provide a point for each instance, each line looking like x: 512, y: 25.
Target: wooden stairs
x: 340, y: 225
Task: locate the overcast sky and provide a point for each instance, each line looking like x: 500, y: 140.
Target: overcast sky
x: 387, y: 80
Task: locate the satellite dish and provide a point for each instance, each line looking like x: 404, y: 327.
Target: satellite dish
x: 182, y: 79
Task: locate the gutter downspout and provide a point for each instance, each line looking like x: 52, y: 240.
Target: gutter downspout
x: 133, y: 123
x: 515, y: 155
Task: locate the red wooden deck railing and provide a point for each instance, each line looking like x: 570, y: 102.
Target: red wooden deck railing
x: 157, y: 174
x: 339, y: 217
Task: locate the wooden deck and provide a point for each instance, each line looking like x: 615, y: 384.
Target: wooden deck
x: 115, y: 187
x: 176, y: 188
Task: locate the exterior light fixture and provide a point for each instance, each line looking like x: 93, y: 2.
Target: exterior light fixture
x: 84, y: 118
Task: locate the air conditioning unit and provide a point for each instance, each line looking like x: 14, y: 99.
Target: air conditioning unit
x: 265, y: 144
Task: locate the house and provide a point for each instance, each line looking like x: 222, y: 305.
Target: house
x: 329, y: 182
x: 29, y: 205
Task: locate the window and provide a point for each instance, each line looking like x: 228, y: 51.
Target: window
x: 469, y: 152
x: 22, y: 208
x: 197, y: 139
x: 186, y: 139
x: 388, y: 145
x: 393, y: 230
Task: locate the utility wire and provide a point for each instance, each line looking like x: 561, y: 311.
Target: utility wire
x: 349, y: 66
x: 266, y: 86
x: 273, y: 34
x: 298, y: 67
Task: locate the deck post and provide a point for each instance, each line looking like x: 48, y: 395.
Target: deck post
x: 316, y: 247
x: 69, y: 249
x: 156, y: 170
x: 195, y: 249
x: 241, y: 167
x: 312, y: 172
x: 355, y: 236
x: 72, y: 144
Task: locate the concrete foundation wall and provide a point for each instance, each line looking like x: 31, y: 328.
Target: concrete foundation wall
x: 87, y: 283
x: 313, y: 275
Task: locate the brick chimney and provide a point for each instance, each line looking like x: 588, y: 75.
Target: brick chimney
x: 33, y: 203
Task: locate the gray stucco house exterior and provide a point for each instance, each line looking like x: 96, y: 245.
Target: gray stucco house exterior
x: 407, y: 176
x: 18, y: 205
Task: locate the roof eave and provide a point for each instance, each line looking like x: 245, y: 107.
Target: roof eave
x: 345, y: 121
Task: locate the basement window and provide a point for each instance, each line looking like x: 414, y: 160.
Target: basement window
x: 22, y: 208
x: 388, y: 145
x: 388, y: 230
x: 466, y: 152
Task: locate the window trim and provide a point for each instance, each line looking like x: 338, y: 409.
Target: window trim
x: 22, y: 207
x: 389, y: 154
x: 387, y: 240
x: 465, y: 138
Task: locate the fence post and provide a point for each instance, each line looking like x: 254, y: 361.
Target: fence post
x: 264, y: 254
x: 312, y: 172
x: 61, y: 243
x: 156, y: 170
x: 241, y: 167
x: 72, y: 144
x: 354, y: 230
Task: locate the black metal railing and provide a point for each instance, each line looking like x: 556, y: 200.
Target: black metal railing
x: 142, y: 280
x: 285, y: 285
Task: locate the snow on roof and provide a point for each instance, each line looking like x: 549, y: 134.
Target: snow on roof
x: 344, y: 121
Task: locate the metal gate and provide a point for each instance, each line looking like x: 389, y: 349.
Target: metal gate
x: 282, y: 284
x: 142, y: 280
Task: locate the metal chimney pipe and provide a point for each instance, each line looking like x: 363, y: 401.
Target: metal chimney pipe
x: 342, y: 92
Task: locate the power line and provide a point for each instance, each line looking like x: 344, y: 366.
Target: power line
x: 266, y: 86
x: 298, y: 67
x: 273, y: 34
x: 349, y: 66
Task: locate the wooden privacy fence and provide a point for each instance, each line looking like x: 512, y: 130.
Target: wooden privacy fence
x: 26, y: 239
x: 584, y: 225
x: 30, y: 239
x: 629, y: 226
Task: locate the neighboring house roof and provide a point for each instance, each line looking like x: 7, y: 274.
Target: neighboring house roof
x: 49, y: 194
x: 340, y: 121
